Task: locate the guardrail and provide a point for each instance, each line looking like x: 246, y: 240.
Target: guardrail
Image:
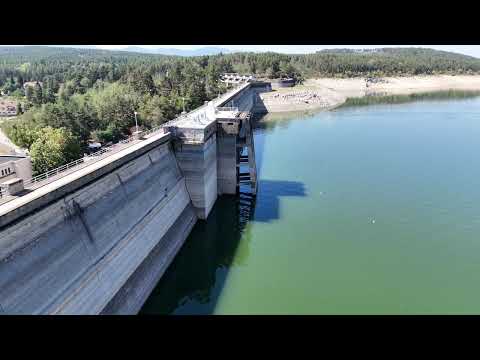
x: 90, y: 159
x: 53, y: 172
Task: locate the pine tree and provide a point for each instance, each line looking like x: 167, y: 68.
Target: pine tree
x: 37, y: 94
x: 48, y: 94
x: 19, y: 108
x: 29, y: 93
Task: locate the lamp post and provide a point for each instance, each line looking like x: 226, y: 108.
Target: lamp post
x: 136, y: 123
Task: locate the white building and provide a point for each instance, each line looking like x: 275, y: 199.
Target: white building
x: 15, y: 166
x: 234, y: 78
x: 8, y: 108
x: 31, y: 84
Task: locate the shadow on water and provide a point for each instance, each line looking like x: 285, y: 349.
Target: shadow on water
x: 195, y: 279
x: 268, y: 207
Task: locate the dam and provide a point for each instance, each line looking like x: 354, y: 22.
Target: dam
x: 97, y: 237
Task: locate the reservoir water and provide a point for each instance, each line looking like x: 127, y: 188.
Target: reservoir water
x: 361, y: 210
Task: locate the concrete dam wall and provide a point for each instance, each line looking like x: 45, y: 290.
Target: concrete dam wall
x: 98, y: 240
x: 78, y: 252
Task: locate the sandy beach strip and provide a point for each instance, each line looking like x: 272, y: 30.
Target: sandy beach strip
x: 327, y: 93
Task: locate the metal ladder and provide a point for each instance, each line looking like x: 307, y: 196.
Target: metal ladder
x: 246, y: 156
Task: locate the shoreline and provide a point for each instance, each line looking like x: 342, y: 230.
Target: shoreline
x: 329, y: 93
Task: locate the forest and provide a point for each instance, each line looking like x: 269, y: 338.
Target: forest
x: 68, y: 96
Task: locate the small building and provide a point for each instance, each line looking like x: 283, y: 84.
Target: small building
x: 31, y: 84
x: 234, y: 78
x: 282, y: 83
x: 15, y: 166
x: 8, y: 108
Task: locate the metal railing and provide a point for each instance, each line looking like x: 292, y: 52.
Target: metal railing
x: 89, y: 159
x: 226, y: 108
x: 152, y: 130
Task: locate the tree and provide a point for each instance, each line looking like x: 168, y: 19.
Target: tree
x: 114, y: 106
x: 19, y: 82
x: 110, y: 134
x: 271, y: 73
x: 37, y: 95
x: 156, y: 110
x: 62, y: 93
x: 141, y: 82
x: 74, y: 114
x: 48, y: 90
x: 29, y: 93
x: 22, y: 132
x: 85, y: 84
x: 18, y: 94
x: 213, y: 86
x: 53, y: 148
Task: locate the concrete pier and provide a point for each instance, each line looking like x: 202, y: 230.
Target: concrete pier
x: 226, y: 163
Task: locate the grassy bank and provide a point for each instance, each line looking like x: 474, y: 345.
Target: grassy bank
x: 399, y: 99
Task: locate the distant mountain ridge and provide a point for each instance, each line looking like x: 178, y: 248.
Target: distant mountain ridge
x: 397, y: 51
x: 178, y: 52
x: 401, y: 61
x: 130, y: 50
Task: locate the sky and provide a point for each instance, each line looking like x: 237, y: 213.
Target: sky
x: 472, y: 50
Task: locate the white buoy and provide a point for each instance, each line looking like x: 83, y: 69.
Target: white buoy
x: 373, y: 221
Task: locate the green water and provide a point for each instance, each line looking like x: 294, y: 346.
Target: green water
x: 362, y: 210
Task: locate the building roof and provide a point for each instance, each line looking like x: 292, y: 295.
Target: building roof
x: 8, y: 106
x: 4, y: 102
x: 7, y: 158
x: 31, y: 83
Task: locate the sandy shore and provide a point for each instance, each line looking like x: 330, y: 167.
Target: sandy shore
x: 327, y: 93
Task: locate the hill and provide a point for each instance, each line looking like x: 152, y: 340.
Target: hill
x: 178, y: 52
x: 387, y: 62
x: 355, y: 63
x: 325, y: 63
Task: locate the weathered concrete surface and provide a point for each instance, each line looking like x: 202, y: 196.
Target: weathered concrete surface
x: 198, y: 163
x: 195, y: 131
x: 226, y: 163
x: 132, y: 295
x: 75, y: 254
